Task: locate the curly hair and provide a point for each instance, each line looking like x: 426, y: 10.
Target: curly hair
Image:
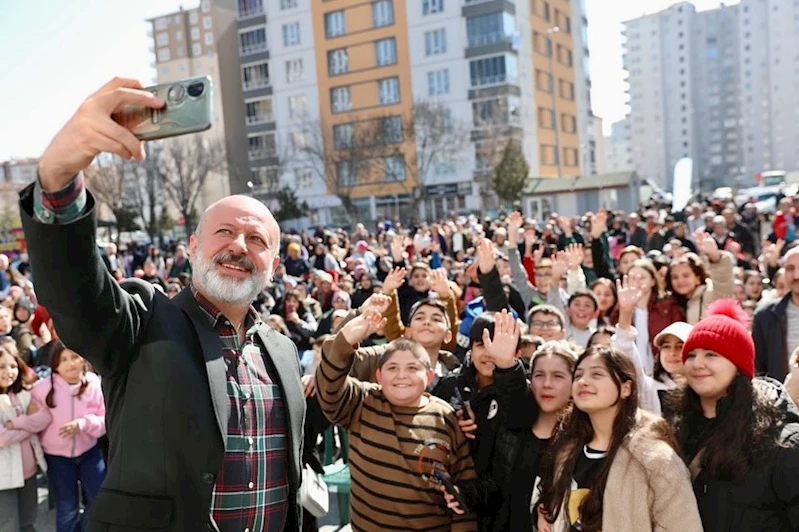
x: 748, y: 425
x: 697, y: 266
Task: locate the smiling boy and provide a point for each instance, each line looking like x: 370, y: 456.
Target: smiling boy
x: 397, y: 430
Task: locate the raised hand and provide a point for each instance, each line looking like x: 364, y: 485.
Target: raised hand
x: 438, y: 283
x: 565, y: 225
x: 504, y: 346
x: 515, y: 222
x: 485, y: 256
x: 600, y: 224
x: 398, y: 246
x: 359, y: 329
x: 394, y: 280
x: 773, y: 252
x: 538, y: 253
x: 628, y: 296
x: 574, y: 256
x: 560, y: 265
x: 707, y: 245
x: 377, y: 302
x: 92, y: 131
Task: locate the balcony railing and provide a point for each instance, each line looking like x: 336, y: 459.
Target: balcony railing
x: 259, y: 119
x: 261, y: 153
x: 246, y: 12
x: 253, y: 48
x: 489, y: 38
x: 257, y: 83
x: 499, y: 79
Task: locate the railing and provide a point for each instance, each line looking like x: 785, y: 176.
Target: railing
x: 489, y: 38
x: 258, y: 83
x: 493, y: 80
x: 341, y: 106
x: 262, y: 153
x: 253, y: 48
x: 259, y: 119
x: 251, y: 11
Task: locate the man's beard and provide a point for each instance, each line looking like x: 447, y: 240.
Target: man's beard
x: 228, y: 289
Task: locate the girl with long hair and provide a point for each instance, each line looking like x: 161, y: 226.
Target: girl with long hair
x: 605, y: 292
x: 613, y: 468
x: 21, y: 418
x: 739, y: 435
x: 74, y: 399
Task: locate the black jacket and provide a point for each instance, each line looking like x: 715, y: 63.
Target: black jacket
x: 164, y: 382
x: 767, y: 500
x: 503, y: 412
x: 770, y: 333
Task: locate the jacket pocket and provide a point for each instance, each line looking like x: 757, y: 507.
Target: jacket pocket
x: 132, y: 510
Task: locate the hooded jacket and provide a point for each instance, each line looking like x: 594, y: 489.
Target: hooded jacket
x: 767, y: 500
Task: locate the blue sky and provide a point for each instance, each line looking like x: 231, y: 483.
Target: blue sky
x: 55, y: 53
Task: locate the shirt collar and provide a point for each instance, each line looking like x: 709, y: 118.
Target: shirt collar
x: 215, y: 315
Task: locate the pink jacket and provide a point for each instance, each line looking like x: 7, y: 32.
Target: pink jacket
x: 88, y: 410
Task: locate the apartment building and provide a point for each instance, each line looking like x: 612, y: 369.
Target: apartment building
x: 297, y: 73
x: 618, y: 145
x: 715, y: 86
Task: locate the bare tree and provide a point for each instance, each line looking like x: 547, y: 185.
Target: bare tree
x: 109, y: 179
x: 184, y: 165
x: 146, y: 190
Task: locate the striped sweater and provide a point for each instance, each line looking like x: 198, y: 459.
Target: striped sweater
x: 386, y: 442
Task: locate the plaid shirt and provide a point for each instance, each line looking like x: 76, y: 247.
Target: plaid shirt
x: 251, y: 492
x: 61, y: 206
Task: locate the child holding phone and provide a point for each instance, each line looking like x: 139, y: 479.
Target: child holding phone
x: 400, y: 436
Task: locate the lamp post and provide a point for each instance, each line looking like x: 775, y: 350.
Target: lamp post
x: 550, y: 53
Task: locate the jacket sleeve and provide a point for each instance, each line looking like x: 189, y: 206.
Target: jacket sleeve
x: 454, y: 321
x: 515, y: 399
x: 394, y: 328
x: 340, y: 396
x: 784, y: 480
x: 36, y: 422
x: 92, y: 313
x: 760, y: 337
x: 674, y: 508
x: 366, y: 362
x: 10, y: 437
x: 519, y: 277
x: 493, y: 293
x: 575, y: 280
x: 461, y: 468
x: 601, y: 266
x: 647, y: 394
x: 94, y: 424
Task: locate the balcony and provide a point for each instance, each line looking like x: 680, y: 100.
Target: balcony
x: 262, y: 153
x: 489, y: 38
x: 252, y: 48
x: 250, y: 11
x: 259, y: 119
x: 500, y: 79
x: 258, y: 83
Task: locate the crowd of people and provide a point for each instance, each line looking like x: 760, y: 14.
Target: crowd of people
x: 615, y: 372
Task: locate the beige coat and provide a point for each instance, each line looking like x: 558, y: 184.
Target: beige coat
x: 720, y: 284
x: 648, y: 489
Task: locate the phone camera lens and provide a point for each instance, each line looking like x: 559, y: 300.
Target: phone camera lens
x: 176, y: 93
x: 196, y: 90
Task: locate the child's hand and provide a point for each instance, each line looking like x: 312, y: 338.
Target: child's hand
x: 33, y: 407
x: 378, y: 302
x: 627, y: 295
x: 67, y: 430
x: 394, y: 280
x: 438, y: 283
x: 485, y: 256
x: 9, y: 425
x: 359, y: 329
x: 506, y: 340
x: 467, y: 424
x: 574, y: 256
x: 452, y: 502
x: 309, y: 385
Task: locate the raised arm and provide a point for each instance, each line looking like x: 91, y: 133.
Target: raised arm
x: 92, y: 314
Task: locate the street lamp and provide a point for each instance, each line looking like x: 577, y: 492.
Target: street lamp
x: 550, y: 52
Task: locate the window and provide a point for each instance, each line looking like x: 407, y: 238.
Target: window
x: 261, y: 145
x: 294, y: 71
x: 178, y: 35
x: 565, y: 56
x: 297, y: 106
x: 194, y: 18
x: 205, y: 6
x: 493, y: 70
x: 258, y: 111
x: 340, y: 99
x: 548, y: 155
x: 181, y: 51
x: 303, y: 178
x: 539, y: 43
x: 386, y: 52
x: 209, y: 39
x: 266, y: 178
x: 161, y: 23
x: 337, y: 62
x: 288, y: 4
x: 546, y: 118
x: 430, y: 7
x: 291, y: 34
x: 163, y: 55
x: 195, y: 34
x: 382, y: 13
x: 207, y: 22
x: 568, y: 123
x: 342, y: 137
x: 345, y: 175
x: 255, y: 76
x: 438, y: 82
x: 566, y: 90
x: 388, y: 91
x: 299, y: 141
x: 395, y: 168
x: 252, y: 41
x: 162, y: 39
x: 392, y: 129
x: 250, y: 8
x: 435, y: 42
x: 543, y: 81
x: 547, y: 14
x: 334, y: 24
x: 490, y: 28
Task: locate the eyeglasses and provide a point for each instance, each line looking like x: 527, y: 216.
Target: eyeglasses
x: 551, y: 325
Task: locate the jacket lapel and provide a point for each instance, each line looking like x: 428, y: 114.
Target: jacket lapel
x: 214, y: 363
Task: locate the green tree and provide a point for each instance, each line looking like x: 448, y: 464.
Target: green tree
x: 290, y: 207
x: 126, y: 216
x: 511, y: 174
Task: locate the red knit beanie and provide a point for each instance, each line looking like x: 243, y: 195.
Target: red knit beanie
x: 724, y: 331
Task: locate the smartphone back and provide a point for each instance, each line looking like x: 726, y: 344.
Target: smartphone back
x: 188, y: 109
